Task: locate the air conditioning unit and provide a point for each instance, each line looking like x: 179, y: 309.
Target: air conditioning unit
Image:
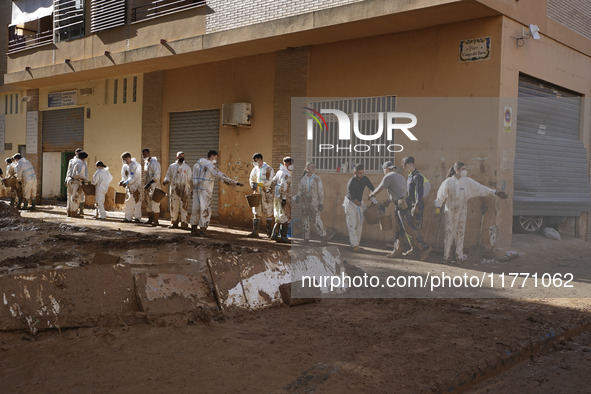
x: 236, y: 114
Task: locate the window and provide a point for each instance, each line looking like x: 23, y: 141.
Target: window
x: 134, y: 89
x: 6, y: 105
x: 68, y: 19
x: 124, y: 90
x: 147, y: 9
x: 106, y: 14
x: 344, y: 156
x: 11, y: 104
x: 16, y: 104
x: 115, y: 88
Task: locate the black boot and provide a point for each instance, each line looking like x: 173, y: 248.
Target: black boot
x: 32, y: 204
x: 275, y: 235
x: 12, y: 202
x: 19, y: 203
x: 25, y: 205
x: 194, y: 231
x: 155, y: 218
x: 284, y: 239
x: 255, y: 229
x: 269, y: 227
x: 150, y: 219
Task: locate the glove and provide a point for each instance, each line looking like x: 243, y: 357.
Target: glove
x: 126, y: 183
x: 283, y: 202
x: 373, y: 200
x: 502, y: 195
x: 121, y: 183
x: 165, y: 183
x: 239, y: 184
x: 260, y: 184
x: 320, y: 207
x: 437, y: 211
x: 253, y: 185
x: 148, y: 185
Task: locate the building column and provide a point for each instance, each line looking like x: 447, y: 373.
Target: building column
x: 36, y: 158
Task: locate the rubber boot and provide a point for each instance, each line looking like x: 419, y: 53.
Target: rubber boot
x: 174, y: 224
x: 33, y: 206
x: 275, y: 235
x: 155, y: 222
x: 12, y: 202
x: 194, y: 231
x: 284, y: 239
x: 19, y: 203
x: 269, y: 227
x: 82, y: 209
x: 150, y: 219
x: 255, y: 229
x: 25, y: 205
x: 203, y: 232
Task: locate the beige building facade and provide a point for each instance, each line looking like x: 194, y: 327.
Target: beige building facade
x: 161, y: 81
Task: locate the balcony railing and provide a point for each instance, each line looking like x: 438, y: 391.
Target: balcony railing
x: 30, y: 40
x: 158, y: 8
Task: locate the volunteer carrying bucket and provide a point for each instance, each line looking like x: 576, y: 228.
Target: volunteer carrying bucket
x: 89, y: 190
x: 158, y: 195
x: 254, y: 200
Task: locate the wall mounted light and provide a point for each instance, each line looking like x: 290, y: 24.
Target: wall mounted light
x: 27, y: 68
x: 532, y: 32
x: 107, y: 53
x: 163, y: 41
x: 67, y: 61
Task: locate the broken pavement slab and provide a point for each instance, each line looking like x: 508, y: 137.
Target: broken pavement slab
x: 60, y: 298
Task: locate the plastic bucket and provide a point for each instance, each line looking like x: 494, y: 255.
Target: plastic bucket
x: 89, y: 190
x: 371, y: 215
x: 120, y: 198
x: 386, y: 223
x: 254, y: 200
x: 9, y: 182
x: 158, y: 195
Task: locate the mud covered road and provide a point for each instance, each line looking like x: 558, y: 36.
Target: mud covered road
x: 335, y: 345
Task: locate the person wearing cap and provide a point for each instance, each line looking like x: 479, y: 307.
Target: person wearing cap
x: 260, y: 182
x: 205, y: 173
x: 395, y: 184
x: 152, y: 173
x: 418, y: 187
x: 69, y: 174
x: 354, y: 205
x: 281, y: 183
x: 25, y: 174
x: 78, y: 175
x: 10, y: 173
x: 311, y: 197
x: 101, y: 179
x: 179, y: 176
x: 454, y: 192
x: 131, y: 178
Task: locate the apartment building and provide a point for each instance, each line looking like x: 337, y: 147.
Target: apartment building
x: 498, y: 84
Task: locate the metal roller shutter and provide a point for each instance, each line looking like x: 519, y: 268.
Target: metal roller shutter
x: 551, y: 177
x: 195, y: 133
x: 63, y: 130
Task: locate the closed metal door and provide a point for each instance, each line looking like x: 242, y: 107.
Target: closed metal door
x: 195, y: 133
x: 63, y: 130
x: 550, y: 176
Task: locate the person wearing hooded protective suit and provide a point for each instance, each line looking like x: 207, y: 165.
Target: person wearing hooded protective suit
x: 179, y: 176
x: 11, y: 173
x: 131, y: 178
x: 282, y: 200
x: 205, y: 173
x: 454, y: 192
x: 260, y: 181
x: 25, y: 174
x: 78, y: 173
x: 152, y: 173
x: 101, y: 179
x: 311, y: 197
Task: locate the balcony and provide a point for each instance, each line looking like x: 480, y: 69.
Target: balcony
x: 148, y: 9
x: 32, y: 35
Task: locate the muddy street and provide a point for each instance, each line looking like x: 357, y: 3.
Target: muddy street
x: 331, y: 345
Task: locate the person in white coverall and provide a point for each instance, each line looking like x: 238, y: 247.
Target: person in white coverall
x: 25, y: 174
x: 152, y: 173
x: 131, y: 178
x: 179, y: 177
x: 281, y: 184
x: 260, y: 182
x: 10, y: 173
x: 101, y: 179
x: 311, y: 197
x: 68, y: 175
x: 455, y: 192
x: 205, y: 173
x: 78, y: 174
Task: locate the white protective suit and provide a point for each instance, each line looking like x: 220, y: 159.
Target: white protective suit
x: 204, y: 176
x: 282, y: 182
x: 311, y: 194
x: 131, y: 176
x: 454, y: 193
x: 11, y: 172
x: 77, y: 173
x: 263, y: 175
x: 354, y: 218
x: 152, y: 172
x: 25, y: 173
x: 180, y: 178
x: 101, y: 179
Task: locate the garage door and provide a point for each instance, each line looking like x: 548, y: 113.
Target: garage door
x: 195, y: 133
x: 551, y: 176
x: 63, y: 130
